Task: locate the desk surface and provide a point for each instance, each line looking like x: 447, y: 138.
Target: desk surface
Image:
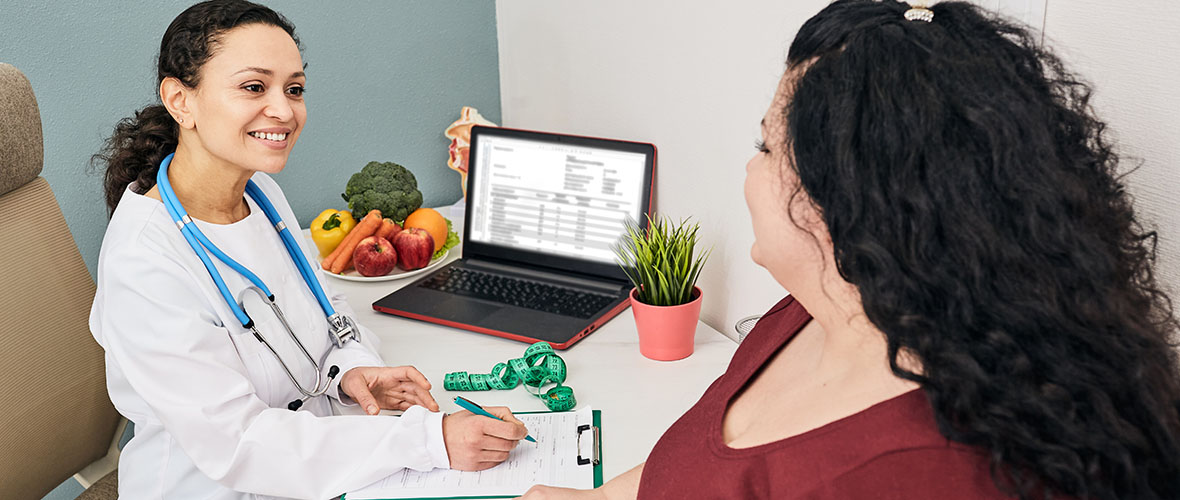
x: 639, y: 397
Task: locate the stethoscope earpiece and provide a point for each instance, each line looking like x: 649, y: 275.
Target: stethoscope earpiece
x: 296, y: 404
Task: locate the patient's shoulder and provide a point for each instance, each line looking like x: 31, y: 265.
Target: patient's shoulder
x: 775, y: 328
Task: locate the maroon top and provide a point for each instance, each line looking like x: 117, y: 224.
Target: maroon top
x: 892, y: 450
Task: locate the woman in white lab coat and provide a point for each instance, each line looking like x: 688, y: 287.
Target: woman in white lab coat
x: 208, y: 400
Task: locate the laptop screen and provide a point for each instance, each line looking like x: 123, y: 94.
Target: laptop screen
x: 560, y: 198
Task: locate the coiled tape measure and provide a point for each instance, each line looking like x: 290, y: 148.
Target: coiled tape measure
x: 539, y: 366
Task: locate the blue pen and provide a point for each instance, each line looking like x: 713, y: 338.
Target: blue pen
x: 470, y: 406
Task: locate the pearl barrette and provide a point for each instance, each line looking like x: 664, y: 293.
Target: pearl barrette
x: 919, y: 12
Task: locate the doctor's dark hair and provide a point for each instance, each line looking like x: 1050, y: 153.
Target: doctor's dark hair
x: 133, y: 153
x: 973, y: 199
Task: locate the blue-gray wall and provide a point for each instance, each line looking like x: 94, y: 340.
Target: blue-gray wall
x: 384, y: 80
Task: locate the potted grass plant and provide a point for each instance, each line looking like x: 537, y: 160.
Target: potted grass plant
x: 662, y: 262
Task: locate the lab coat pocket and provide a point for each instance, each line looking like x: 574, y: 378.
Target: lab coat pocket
x: 256, y: 358
x: 272, y: 380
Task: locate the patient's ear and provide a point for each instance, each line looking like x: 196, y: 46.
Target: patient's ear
x: 175, y: 96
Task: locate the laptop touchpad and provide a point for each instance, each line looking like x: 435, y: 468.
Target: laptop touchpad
x: 467, y: 311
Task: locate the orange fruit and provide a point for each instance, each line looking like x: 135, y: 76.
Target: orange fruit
x: 432, y: 221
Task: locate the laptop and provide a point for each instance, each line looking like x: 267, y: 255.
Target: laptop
x: 544, y: 213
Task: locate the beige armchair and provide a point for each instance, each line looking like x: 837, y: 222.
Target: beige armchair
x: 57, y: 419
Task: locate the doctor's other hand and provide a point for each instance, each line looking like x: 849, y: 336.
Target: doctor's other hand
x: 377, y: 388
x: 476, y: 442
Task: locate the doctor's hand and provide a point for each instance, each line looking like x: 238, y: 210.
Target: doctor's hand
x: 377, y: 388
x: 476, y: 442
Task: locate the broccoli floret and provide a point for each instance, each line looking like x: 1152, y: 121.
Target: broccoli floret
x: 387, y: 187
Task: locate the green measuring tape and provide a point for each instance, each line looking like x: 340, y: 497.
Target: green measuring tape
x: 539, y: 366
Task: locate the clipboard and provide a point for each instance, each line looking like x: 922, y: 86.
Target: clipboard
x: 584, y: 431
x: 586, y: 435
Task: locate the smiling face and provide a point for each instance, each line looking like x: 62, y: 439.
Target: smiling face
x: 248, y: 110
x: 787, y: 226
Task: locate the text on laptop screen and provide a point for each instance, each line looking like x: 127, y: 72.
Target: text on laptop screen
x: 560, y: 199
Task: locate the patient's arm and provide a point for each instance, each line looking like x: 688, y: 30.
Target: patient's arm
x: 623, y: 487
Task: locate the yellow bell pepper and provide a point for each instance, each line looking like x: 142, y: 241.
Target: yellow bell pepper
x: 329, y: 228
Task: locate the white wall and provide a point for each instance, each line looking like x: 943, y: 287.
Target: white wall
x: 695, y: 78
x: 1130, y: 51
x: 693, y: 81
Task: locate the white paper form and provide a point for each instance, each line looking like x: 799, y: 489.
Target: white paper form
x: 552, y: 460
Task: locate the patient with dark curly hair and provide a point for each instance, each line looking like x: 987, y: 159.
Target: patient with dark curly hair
x: 973, y: 312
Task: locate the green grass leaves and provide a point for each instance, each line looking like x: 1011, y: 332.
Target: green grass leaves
x: 660, y: 260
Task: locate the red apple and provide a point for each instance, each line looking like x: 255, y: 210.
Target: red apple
x: 415, y: 246
x: 374, y: 256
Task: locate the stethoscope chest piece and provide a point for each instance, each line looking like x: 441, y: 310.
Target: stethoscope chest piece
x: 341, y: 329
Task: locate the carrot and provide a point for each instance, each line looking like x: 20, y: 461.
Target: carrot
x: 342, y: 255
x: 388, y: 229
x: 368, y: 227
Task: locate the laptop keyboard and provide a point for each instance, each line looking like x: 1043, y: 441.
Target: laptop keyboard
x: 518, y: 292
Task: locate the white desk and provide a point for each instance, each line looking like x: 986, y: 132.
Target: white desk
x: 639, y: 398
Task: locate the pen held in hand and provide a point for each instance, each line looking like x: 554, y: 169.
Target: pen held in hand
x: 470, y: 406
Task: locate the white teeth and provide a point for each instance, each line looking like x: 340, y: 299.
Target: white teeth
x: 269, y: 136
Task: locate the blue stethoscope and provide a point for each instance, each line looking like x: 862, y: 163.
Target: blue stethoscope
x: 341, y: 328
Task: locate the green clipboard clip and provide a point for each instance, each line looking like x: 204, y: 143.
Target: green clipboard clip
x: 595, y: 458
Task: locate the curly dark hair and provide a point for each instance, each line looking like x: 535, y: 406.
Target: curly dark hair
x: 973, y: 200
x: 133, y: 153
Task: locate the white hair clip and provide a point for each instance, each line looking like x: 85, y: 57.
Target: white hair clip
x: 919, y: 12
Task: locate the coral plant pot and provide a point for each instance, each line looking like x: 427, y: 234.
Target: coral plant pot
x: 666, y: 333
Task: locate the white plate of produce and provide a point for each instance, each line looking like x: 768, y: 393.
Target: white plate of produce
x: 397, y: 273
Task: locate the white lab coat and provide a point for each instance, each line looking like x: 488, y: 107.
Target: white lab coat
x: 207, y: 399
